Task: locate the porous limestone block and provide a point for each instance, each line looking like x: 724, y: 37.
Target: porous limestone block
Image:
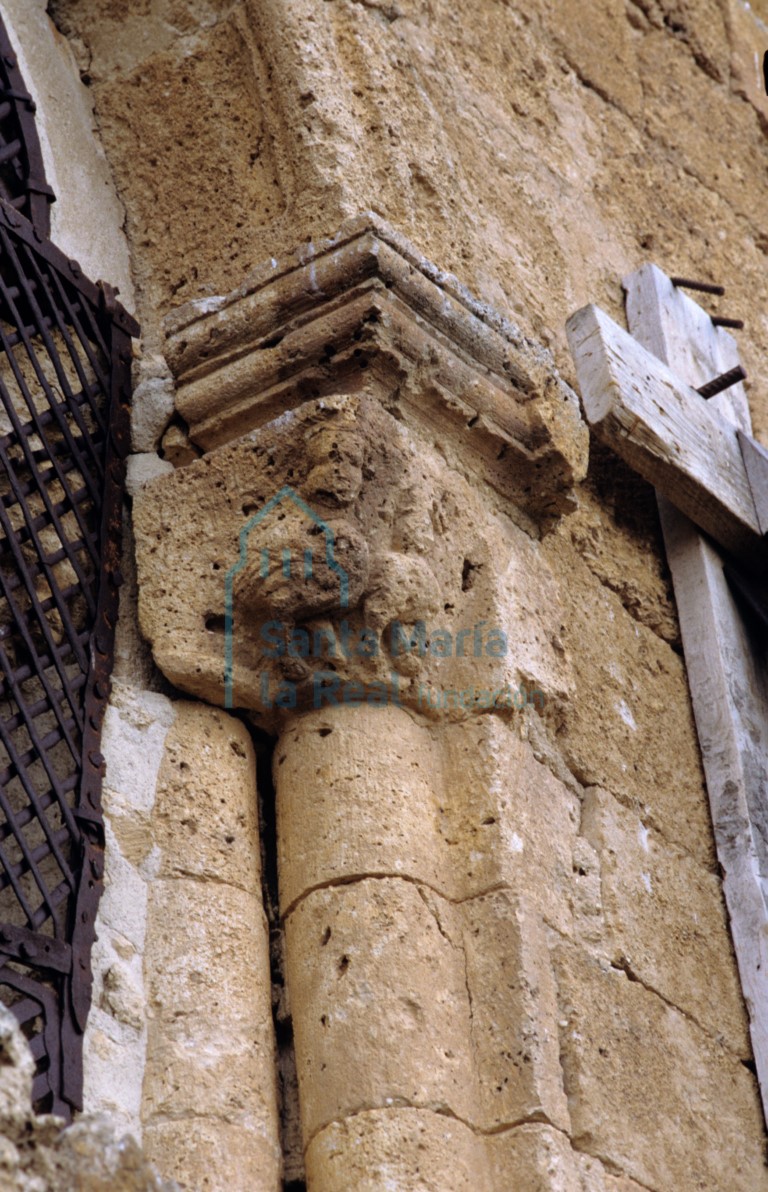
x: 673, y: 119
x: 630, y: 729
x: 611, y: 73
x: 210, y: 1046
x: 623, y: 555
x: 205, y: 821
x: 530, y: 609
x: 215, y: 1070
x: 149, y: 109
x: 208, y: 1155
x: 666, y: 920
x: 532, y: 1158
x: 380, y: 1003
x: 747, y: 30
x: 370, y: 791
x: 496, y: 798
x: 594, y: 1177
x: 513, y: 1012
x: 411, y: 1150
x: 648, y: 1090
x: 400, y: 997
x: 359, y: 792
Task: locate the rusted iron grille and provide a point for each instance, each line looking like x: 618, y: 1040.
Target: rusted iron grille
x: 22, y: 177
x: 64, y: 393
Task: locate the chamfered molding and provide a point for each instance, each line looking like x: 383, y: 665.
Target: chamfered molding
x: 364, y: 310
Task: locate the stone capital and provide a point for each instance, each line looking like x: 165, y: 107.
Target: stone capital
x: 374, y: 443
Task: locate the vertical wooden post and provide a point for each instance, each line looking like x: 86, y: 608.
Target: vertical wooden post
x: 727, y: 669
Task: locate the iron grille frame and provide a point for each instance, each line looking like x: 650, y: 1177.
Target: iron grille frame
x: 22, y: 173
x: 67, y: 439
x: 52, y: 439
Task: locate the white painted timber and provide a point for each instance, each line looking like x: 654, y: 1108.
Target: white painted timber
x: 666, y: 431
x: 726, y: 669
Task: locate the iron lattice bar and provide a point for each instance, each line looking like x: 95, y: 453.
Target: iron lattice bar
x: 65, y: 358
x: 22, y: 174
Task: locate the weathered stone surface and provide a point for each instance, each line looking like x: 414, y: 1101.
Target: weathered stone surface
x: 135, y: 729
x: 380, y: 1004
x: 144, y: 468
x: 435, y: 559
x: 630, y: 729
x: 595, y: 1178
x: 513, y: 1024
x: 176, y: 447
x: 624, y: 553
x: 416, y: 1151
x: 497, y: 798
x: 205, y: 820
x: 413, y: 1150
x: 209, y: 1101
x: 665, y: 920
x: 531, y: 157
x: 618, y: 1042
x: 746, y: 29
x: 208, y: 1155
x: 401, y: 998
x: 38, y: 1155
x: 157, y: 101
x: 459, y: 809
x: 614, y: 77
x: 210, y: 1029
x: 152, y: 403
x: 536, y: 1157
x: 327, y: 776
x: 730, y: 125
x: 382, y: 314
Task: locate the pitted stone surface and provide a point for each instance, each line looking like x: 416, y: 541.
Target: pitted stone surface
x: 38, y: 1155
x: 540, y: 153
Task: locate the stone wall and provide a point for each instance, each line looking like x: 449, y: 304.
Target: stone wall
x: 499, y: 953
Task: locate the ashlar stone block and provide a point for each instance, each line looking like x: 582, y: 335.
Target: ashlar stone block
x: 701, y: 1127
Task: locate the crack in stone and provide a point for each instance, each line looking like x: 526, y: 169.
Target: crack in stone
x: 538, y: 1118
x: 622, y: 965
x: 353, y: 878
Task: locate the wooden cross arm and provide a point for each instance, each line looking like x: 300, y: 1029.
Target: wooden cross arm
x: 666, y: 431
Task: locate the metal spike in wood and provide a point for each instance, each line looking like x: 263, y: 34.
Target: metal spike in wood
x: 644, y: 409
x: 658, y: 423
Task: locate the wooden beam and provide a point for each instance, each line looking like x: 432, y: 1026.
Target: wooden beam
x: 665, y: 430
x: 727, y: 671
